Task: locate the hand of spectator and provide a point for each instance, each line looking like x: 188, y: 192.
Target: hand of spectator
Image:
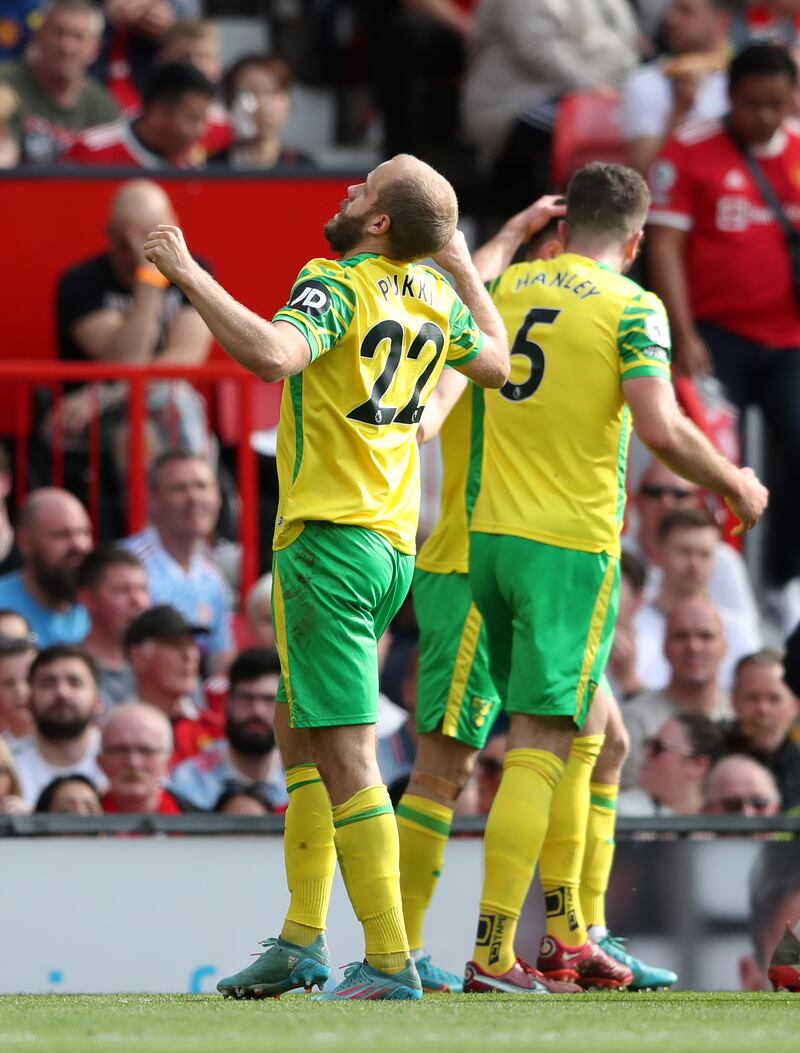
x: 455, y: 255
x: 166, y: 249
x: 750, y: 503
x: 13, y: 805
x: 157, y: 18
x: 690, y: 356
x: 125, y: 12
x: 73, y: 413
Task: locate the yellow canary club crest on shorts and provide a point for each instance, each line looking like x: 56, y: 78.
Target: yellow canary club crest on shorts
x: 481, y: 708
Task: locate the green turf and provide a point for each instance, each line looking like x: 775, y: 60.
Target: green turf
x: 612, y: 1023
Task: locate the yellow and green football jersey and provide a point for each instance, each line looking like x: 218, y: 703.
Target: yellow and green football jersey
x: 556, y: 435
x: 380, y: 333
x: 446, y: 550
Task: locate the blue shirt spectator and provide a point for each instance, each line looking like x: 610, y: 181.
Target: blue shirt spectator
x: 51, y: 627
x: 54, y: 535
x: 184, y: 506
x: 203, y: 779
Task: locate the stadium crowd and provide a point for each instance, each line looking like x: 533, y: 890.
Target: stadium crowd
x: 150, y: 621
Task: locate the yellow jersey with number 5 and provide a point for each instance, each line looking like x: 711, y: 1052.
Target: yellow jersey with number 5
x: 556, y: 435
x: 380, y: 332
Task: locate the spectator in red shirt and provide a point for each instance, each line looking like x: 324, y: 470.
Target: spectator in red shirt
x: 197, y: 40
x: 163, y: 652
x: 720, y: 261
x: 137, y: 742
x: 168, y: 133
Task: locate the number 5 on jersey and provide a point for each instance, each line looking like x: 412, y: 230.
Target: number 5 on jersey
x: 512, y: 390
x: 371, y: 411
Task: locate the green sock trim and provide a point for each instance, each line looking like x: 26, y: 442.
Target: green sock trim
x: 438, y: 826
x: 604, y: 802
x: 297, y: 785
x: 370, y: 813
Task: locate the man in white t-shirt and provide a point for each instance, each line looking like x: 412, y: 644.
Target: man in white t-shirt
x: 688, y: 83
x: 65, y: 702
x: 689, y: 540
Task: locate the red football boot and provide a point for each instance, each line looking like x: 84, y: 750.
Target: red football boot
x: 587, y: 965
x: 784, y: 966
x: 521, y: 978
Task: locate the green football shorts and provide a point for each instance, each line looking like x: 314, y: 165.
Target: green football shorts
x: 335, y: 590
x: 455, y: 692
x: 550, y: 614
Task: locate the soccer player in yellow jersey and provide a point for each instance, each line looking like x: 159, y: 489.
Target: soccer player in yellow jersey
x: 362, y: 340
x: 590, y: 351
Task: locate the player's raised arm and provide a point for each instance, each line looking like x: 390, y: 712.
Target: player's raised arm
x: 491, y: 367
x: 271, y: 351
x: 445, y: 395
x: 498, y: 253
x: 662, y: 426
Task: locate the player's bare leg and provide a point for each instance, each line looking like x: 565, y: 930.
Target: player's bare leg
x: 299, y: 956
x: 599, y: 854
x: 424, y: 815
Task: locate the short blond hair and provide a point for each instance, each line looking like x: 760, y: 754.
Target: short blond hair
x: 423, y: 208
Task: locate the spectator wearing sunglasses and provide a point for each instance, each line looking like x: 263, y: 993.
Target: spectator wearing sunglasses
x: 660, y: 492
x: 766, y: 710
x: 694, y: 646
x: 739, y: 785
x: 690, y: 539
x: 677, y: 760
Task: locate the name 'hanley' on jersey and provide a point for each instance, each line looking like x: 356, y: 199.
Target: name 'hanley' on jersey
x: 556, y: 434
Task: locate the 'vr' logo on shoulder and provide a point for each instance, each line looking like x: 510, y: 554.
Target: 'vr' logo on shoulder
x: 310, y: 296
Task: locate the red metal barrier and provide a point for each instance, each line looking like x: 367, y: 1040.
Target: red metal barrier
x: 22, y: 378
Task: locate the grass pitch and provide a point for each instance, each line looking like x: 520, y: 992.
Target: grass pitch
x: 598, y: 1023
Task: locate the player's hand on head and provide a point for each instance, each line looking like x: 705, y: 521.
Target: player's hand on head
x: 535, y: 216
x: 455, y: 253
x: 751, y: 502
x: 166, y: 249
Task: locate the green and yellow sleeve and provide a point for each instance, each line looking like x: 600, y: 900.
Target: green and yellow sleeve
x: 643, y: 339
x: 321, y: 305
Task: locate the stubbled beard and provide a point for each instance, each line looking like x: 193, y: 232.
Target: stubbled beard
x: 344, y: 232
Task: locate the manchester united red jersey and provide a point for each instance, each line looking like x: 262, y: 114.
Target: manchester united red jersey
x: 116, y: 144
x: 737, y: 261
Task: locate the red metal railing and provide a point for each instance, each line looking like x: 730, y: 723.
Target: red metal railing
x: 27, y: 376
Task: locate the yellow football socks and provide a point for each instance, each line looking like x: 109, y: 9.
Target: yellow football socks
x: 599, y: 855
x: 515, y: 831
x: 369, y: 856
x: 310, y: 855
x: 423, y: 827
x: 563, y: 848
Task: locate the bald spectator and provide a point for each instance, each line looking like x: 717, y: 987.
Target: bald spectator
x: 54, y: 535
x: 694, y: 648
x: 14, y: 627
x: 184, y: 507
x: 660, y: 492
x: 258, y: 612
x: 16, y: 719
x: 687, y: 84
x: 116, y: 307
x: 766, y: 710
x: 112, y: 586
x: 689, y: 540
x: 623, y: 662
x: 65, y: 703
x: 57, y: 98
x: 137, y: 743
x: 247, y: 756
x: 677, y: 760
x: 739, y: 785
x: 163, y: 652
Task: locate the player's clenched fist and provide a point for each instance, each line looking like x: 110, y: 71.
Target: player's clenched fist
x: 166, y: 249
x: 750, y: 503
